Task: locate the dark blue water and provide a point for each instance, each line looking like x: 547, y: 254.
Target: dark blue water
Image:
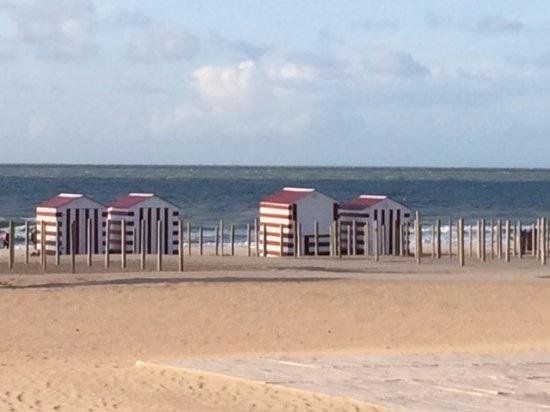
x: 206, y: 194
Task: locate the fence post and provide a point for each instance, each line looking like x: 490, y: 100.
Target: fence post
x: 316, y: 238
x: 189, y: 245
x: 520, y: 240
x: 483, y: 242
x: 348, y: 239
x: 461, y: 241
x: 366, y: 239
x: 432, y: 227
x: 450, y: 238
x: 248, y: 239
x: 159, y: 245
x: 143, y: 247
x: 200, y: 241
x: 43, y: 245
x: 507, y: 252
x: 542, y: 246
x: 418, y: 235
x: 217, y: 241
x: 499, y: 239
x: 299, y: 239
x: 73, y: 246
x: 376, y: 241
x: 11, y: 254
x: 438, y: 228
x: 232, y: 234
x: 27, y: 258
x: 339, y: 238
x: 180, y: 246
x: 221, y: 238
x: 492, y: 239
x: 354, y: 238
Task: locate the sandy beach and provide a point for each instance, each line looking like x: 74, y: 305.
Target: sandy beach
x: 71, y: 342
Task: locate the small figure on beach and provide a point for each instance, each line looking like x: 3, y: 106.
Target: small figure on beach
x: 6, y: 240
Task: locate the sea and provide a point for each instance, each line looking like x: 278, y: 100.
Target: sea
x: 207, y: 194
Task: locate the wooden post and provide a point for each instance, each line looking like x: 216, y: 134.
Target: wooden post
x: 376, y: 242
x: 180, y: 246
x: 433, y: 241
x: 200, y: 241
x: 73, y: 246
x: 470, y: 241
x: 217, y: 241
x: 248, y: 240
x: 438, y: 228
x: 256, y: 234
x: 27, y: 255
x: 514, y: 240
x: 221, y: 238
x: 492, y: 239
x: 520, y: 240
x: 143, y: 246
x: 159, y: 245
x: 232, y: 240
x: 43, y: 245
x: 461, y: 242
x: 294, y: 238
x: 533, y: 240
x: 281, y: 244
x: 264, y: 240
x: 483, y: 243
x: 354, y: 238
x: 57, y: 253
x: 418, y: 235
x: 11, y: 254
x: 499, y: 239
x: 383, y: 239
x: 408, y: 238
x: 189, y: 244
x: 107, y: 241
x: 507, y: 252
x: 450, y: 238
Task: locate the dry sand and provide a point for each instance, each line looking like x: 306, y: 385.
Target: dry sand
x: 70, y: 342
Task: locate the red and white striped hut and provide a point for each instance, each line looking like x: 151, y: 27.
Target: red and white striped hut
x: 292, y: 206
x: 66, y: 208
x: 136, y: 207
x: 389, y: 215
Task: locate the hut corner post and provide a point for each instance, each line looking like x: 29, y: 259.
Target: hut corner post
x: 438, y: 230
x: 232, y: 240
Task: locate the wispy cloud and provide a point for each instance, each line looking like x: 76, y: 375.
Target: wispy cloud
x: 499, y: 24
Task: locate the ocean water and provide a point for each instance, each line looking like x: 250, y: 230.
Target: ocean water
x: 206, y: 194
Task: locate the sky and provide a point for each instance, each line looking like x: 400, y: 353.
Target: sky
x: 332, y: 83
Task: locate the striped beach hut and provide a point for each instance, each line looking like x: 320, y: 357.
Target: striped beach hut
x: 288, y: 208
x: 149, y: 208
x: 376, y: 211
x: 64, y: 209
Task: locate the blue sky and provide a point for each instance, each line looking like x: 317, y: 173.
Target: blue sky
x: 424, y: 83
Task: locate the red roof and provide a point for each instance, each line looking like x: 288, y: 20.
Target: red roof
x: 362, y: 202
x: 59, y: 200
x: 130, y: 200
x: 287, y: 196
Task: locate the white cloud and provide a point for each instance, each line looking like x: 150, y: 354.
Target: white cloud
x: 158, y: 43
x: 294, y: 71
x: 62, y: 30
x: 225, y: 86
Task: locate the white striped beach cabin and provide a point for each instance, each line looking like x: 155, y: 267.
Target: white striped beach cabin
x: 64, y: 209
x: 290, y: 207
x: 150, y: 208
x: 369, y: 209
